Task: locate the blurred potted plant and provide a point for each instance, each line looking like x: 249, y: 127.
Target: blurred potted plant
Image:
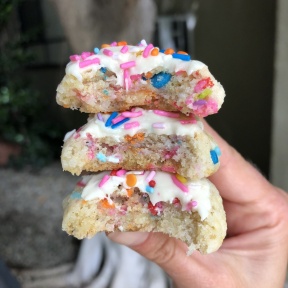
x: 26, y: 139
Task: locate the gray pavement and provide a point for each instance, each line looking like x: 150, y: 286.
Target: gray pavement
x: 31, y: 215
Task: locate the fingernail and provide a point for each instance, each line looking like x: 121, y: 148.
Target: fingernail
x: 128, y: 238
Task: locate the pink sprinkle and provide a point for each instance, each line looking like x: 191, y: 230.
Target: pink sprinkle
x: 121, y: 172
x: 127, y: 65
x: 135, y: 77
x: 190, y: 205
x: 76, y: 135
x: 113, y: 44
x: 202, y: 84
x: 132, y: 114
x: 150, y: 176
x: 86, y: 63
x: 167, y: 114
x: 147, y: 50
x: 84, y: 55
x: 131, y: 125
x: 168, y: 169
x: 103, y: 181
x: 190, y: 121
x: 124, y: 49
x: 118, y: 119
x: 179, y: 72
x: 158, y: 125
x: 107, y: 52
x: 179, y: 184
x: 75, y: 57
x: 127, y: 80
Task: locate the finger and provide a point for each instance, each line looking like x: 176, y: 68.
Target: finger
x: 247, y: 196
x: 167, y: 252
x: 170, y: 254
x: 236, y: 177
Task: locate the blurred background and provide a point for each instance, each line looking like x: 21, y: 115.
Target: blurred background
x: 243, y: 42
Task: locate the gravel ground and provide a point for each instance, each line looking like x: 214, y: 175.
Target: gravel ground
x: 31, y: 216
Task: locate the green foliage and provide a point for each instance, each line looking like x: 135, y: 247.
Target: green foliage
x: 22, y: 118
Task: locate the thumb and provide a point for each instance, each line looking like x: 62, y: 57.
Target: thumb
x: 169, y: 253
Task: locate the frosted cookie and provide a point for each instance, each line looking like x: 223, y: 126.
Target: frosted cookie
x: 141, y: 140
x: 119, y: 77
x: 147, y: 201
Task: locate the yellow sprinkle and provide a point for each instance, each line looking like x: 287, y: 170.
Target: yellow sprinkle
x: 181, y: 178
x: 204, y: 93
x: 139, y: 53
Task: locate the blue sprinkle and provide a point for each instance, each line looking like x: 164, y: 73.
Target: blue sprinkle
x: 105, y: 92
x: 218, y: 151
x: 214, y: 156
x: 96, y: 50
x: 149, y: 189
x: 162, y: 50
x: 75, y: 195
x: 101, y: 157
x: 183, y: 57
x: 119, y: 123
x: 103, y: 69
x: 144, y: 78
x: 111, y: 117
x: 161, y: 79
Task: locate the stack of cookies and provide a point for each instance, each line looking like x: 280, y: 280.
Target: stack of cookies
x: 143, y: 153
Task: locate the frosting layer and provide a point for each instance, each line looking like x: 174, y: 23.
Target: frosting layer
x: 166, y: 187
x: 133, y: 60
x: 117, y: 125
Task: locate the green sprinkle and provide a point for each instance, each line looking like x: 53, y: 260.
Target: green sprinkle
x: 204, y: 93
x: 105, y: 92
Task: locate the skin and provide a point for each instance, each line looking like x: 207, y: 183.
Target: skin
x: 255, y: 251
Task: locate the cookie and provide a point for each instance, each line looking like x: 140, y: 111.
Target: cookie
x: 191, y: 211
x: 120, y: 76
x: 141, y: 140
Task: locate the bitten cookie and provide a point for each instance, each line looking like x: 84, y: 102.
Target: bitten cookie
x: 120, y: 76
x: 141, y: 140
x: 147, y: 201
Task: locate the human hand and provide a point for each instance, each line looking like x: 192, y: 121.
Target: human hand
x: 255, y: 251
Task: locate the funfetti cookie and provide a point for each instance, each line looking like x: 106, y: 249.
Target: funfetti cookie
x: 191, y: 211
x: 141, y: 140
x: 120, y: 76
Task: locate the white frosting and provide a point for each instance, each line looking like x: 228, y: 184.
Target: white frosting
x: 171, y: 126
x: 68, y: 135
x: 165, y: 190
x: 143, y: 65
